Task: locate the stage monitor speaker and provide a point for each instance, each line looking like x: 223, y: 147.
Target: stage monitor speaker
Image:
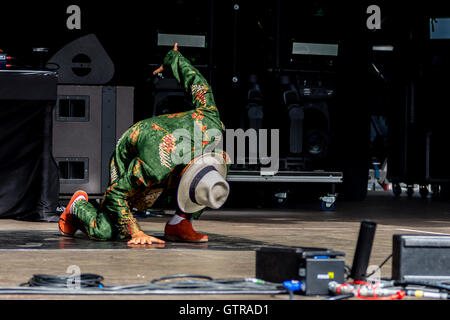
x: 82, y: 61
x: 87, y: 123
x: 421, y: 257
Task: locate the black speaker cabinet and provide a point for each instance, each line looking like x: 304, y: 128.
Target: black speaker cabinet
x: 421, y: 257
x: 87, y: 122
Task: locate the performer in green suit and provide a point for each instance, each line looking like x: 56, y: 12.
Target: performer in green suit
x: 158, y: 153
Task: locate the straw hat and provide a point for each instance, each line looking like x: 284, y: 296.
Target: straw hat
x: 203, y: 183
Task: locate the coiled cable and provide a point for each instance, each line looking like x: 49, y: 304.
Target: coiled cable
x: 85, y: 280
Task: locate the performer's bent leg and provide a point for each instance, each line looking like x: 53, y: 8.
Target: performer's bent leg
x: 97, y: 225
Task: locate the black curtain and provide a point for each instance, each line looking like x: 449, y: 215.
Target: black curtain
x: 29, y: 182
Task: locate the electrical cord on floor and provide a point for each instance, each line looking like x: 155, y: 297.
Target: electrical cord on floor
x: 430, y: 284
x: 342, y: 297
x: 388, y: 289
x: 347, y: 271
x: 86, y: 280
x: 412, y: 292
x: 380, y: 266
x: 182, y: 275
x: 90, y: 284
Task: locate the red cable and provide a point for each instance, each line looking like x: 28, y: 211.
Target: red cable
x: 338, y: 289
x: 399, y: 295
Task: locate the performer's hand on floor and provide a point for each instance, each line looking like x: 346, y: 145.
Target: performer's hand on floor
x: 142, y: 238
x: 161, y: 68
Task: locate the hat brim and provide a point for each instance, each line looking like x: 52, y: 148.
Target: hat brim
x: 208, y: 159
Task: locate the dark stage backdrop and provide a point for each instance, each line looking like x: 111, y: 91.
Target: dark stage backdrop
x: 257, y: 39
x: 29, y: 184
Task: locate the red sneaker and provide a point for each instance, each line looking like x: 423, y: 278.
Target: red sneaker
x: 66, y: 225
x: 183, y: 231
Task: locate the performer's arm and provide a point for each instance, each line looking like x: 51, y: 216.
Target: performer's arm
x: 191, y: 79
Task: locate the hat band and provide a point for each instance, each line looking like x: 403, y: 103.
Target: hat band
x: 196, y: 180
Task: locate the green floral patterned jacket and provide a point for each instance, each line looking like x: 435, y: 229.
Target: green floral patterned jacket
x: 147, y: 154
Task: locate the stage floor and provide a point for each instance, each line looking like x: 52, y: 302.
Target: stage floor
x: 52, y: 240
x: 28, y: 248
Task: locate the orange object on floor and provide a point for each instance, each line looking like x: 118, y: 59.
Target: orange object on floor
x: 66, y: 225
x: 183, y: 231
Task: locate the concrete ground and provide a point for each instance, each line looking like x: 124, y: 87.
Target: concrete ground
x: 304, y: 226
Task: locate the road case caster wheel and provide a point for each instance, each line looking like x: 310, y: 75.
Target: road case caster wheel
x: 396, y: 189
x: 423, y: 190
x: 327, y: 203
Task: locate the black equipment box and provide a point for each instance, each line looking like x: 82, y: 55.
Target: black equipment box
x: 316, y: 267
x: 421, y: 257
